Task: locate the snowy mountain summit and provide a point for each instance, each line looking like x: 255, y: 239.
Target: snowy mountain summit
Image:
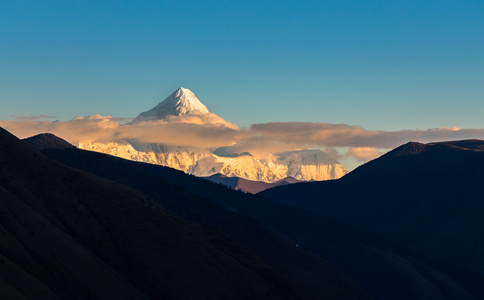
x: 183, y: 107
x: 180, y: 102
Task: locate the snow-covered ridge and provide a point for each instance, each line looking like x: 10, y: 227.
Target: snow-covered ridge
x: 301, y: 165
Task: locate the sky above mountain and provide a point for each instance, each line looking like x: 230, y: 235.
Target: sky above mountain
x: 359, y: 66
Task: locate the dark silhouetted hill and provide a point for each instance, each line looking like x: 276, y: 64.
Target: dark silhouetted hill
x: 48, y: 141
x: 306, y: 273
x: 68, y: 234
x: 428, y: 197
x: 382, y: 267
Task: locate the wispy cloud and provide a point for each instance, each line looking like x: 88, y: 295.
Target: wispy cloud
x: 79, y: 129
x: 343, y: 135
x: 106, y: 128
x: 263, y: 139
x: 363, y: 154
x: 121, y: 119
x: 208, y: 119
x: 32, y: 118
x: 187, y: 134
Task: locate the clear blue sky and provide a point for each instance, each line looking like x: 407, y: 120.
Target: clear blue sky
x: 383, y: 65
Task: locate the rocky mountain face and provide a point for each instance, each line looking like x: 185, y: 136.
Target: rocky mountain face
x: 302, y: 165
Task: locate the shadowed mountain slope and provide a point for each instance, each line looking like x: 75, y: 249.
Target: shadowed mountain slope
x: 67, y: 234
x: 248, y: 186
x: 386, y: 270
x: 303, y: 271
x: 429, y: 197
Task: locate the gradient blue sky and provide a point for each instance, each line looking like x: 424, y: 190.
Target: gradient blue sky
x: 382, y: 65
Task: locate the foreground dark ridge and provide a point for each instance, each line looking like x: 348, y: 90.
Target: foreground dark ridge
x: 303, y: 271
x: 429, y: 197
x: 386, y: 270
x: 67, y: 234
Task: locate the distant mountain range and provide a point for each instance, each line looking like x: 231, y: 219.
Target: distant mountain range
x: 248, y: 186
x: 382, y: 267
x: 182, y: 105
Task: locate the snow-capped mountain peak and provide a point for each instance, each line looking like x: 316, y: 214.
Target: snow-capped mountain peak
x: 180, y: 102
x: 183, y: 107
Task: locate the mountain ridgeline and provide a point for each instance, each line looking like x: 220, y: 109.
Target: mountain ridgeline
x: 303, y: 240
x: 68, y: 234
x: 430, y: 199
x: 48, y: 141
x: 83, y: 225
